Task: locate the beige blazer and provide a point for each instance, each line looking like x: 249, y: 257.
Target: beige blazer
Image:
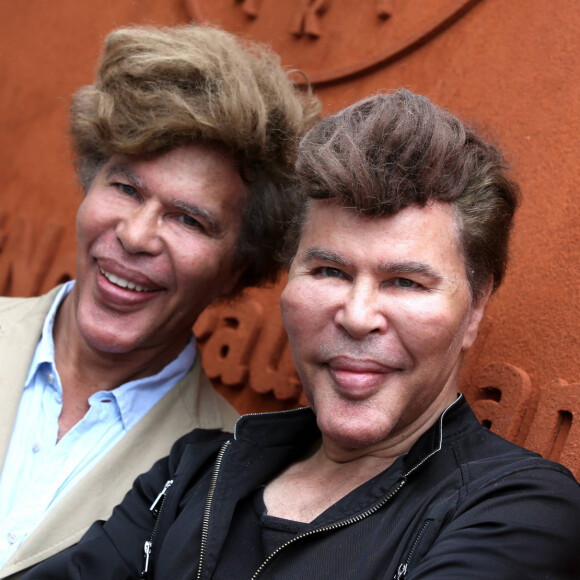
x: 192, y: 403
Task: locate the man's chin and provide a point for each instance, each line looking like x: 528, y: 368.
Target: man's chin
x: 114, y: 343
x: 352, y: 433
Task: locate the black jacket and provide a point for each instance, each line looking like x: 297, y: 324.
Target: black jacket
x: 463, y: 504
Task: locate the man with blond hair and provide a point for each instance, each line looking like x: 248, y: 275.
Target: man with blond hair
x: 184, y: 146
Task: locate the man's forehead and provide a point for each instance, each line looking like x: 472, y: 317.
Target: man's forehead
x: 317, y: 209
x: 419, y: 228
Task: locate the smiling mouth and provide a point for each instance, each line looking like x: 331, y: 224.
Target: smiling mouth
x: 358, y: 378
x: 364, y: 366
x: 122, y: 283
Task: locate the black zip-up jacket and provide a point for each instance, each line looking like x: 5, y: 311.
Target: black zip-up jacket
x: 462, y: 504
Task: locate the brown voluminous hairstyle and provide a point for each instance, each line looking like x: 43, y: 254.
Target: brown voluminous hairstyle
x: 159, y: 88
x: 394, y: 150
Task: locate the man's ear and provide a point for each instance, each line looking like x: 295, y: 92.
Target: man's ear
x: 476, y: 315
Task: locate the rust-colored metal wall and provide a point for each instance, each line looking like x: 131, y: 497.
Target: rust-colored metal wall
x: 508, y: 66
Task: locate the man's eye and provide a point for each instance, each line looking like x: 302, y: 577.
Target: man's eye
x: 126, y: 189
x: 190, y: 221
x: 405, y: 283
x: 328, y: 272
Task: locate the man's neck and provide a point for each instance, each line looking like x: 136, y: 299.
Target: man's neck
x: 329, y: 472
x: 310, y: 486
x: 84, y: 371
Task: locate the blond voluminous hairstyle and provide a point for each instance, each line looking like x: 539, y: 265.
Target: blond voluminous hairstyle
x: 159, y: 88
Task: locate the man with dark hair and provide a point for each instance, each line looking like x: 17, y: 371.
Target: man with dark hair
x: 185, y: 148
x: 388, y: 475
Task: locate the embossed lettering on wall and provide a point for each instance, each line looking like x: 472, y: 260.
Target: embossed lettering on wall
x: 541, y: 418
x: 251, y: 8
x: 308, y: 19
x: 308, y: 16
x: 331, y: 40
x: 245, y: 345
x: 385, y: 8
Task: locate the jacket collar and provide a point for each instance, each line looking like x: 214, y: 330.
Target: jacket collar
x: 282, y: 428
x: 455, y: 419
x: 297, y: 428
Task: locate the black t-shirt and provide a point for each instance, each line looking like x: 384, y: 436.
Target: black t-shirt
x: 253, y: 536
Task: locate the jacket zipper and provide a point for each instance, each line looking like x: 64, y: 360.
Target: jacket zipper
x: 155, y: 509
x: 208, y: 504
x: 402, y: 569
x: 331, y: 527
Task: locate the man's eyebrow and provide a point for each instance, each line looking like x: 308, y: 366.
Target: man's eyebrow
x: 122, y: 169
x: 213, y: 224
x: 409, y: 268
x: 412, y: 267
x: 319, y: 254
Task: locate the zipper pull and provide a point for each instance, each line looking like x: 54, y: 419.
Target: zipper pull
x: 401, y: 572
x: 147, y: 550
x: 161, y: 495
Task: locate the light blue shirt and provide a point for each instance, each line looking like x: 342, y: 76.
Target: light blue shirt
x: 38, y: 471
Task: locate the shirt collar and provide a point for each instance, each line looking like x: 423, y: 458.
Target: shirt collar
x: 133, y: 398
x: 44, y: 352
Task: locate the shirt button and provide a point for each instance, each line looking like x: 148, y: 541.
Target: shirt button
x: 12, y: 537
x: 50, y: 378
x: 36, y: 447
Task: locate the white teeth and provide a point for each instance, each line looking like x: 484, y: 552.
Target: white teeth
x: 122, y: 283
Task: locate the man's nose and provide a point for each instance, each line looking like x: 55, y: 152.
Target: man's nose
x: 138, y: 231
x: 361, y: 312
